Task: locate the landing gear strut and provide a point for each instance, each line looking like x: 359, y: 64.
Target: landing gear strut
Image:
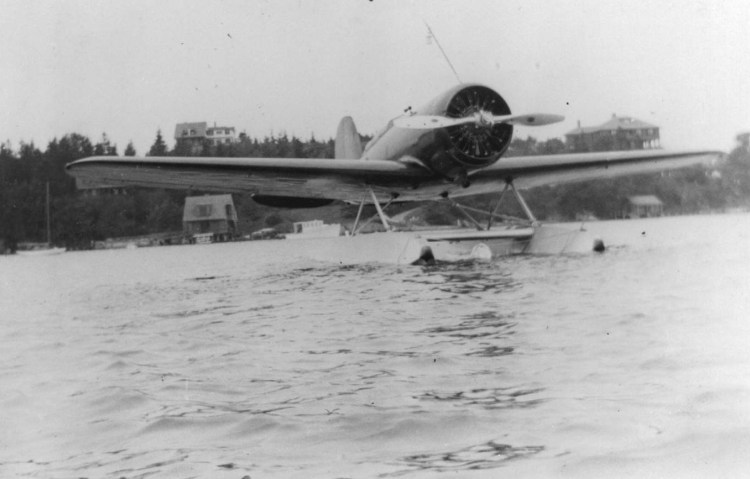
x: 384, y: 219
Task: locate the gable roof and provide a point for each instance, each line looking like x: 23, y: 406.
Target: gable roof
x: 626, y: 123
x: 208, y: 207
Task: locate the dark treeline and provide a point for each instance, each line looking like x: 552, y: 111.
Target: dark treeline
x: 80, y: 218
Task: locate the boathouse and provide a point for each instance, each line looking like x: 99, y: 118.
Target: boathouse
x: 212, y: 216
x: 643, y: 206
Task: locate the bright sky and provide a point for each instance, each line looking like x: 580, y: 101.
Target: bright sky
x: 130, y: 68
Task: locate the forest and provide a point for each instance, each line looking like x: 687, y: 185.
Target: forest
x: 79, y: 218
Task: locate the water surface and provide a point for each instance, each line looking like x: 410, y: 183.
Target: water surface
x: 235, y: 360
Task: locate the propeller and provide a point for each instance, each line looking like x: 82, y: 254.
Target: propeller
x: 480, y: 118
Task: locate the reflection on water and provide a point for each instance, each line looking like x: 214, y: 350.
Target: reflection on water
x: 225, y: 361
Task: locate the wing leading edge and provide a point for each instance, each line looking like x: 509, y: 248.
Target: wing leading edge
x: 339, y: 179
x: 531, y: 171
x: 347, y: 180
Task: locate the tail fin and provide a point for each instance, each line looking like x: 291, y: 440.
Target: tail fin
x: 348, y: 145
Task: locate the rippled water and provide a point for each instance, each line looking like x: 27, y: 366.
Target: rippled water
x: 232, y: 360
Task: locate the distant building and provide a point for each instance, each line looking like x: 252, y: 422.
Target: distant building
x: 314, y: 229
x: 619, y: 132
x: 212, y: 215
x: 191, y: 137
x: 221, y: 135
x: 644, y: 206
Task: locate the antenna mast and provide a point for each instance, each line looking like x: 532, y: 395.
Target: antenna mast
x: 432, y: 35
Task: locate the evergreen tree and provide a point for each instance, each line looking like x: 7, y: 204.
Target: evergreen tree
x: 206, y: 149
x: 159, y: 148
x: 735, y: 171
x: 130, y: 149
x: 104, y: 147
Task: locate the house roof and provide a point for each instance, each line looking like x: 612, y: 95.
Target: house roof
x: 614, y: 123
x: 208, y: 207
x: 199, y: 130
x: 583, y: 130
x: 644, y: 200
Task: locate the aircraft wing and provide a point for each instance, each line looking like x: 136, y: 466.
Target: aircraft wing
x: 338, y: 179
x: 531, y: 171
x: 347, y: 180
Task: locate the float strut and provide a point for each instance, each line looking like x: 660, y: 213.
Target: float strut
x: 523, y: 204
x: 463, y: 209
x: 359, y: 215
x: 497, y: 205
x: 381, y: 213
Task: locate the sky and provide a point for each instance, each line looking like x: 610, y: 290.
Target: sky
x: 128, y: 69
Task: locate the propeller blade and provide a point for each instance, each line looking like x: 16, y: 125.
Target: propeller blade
x: 529, y: 119
x: 428, y: 122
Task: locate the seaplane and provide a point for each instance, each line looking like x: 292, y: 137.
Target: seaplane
x: 451, y: 148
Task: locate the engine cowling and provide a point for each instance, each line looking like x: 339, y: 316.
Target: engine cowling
x: 450, y: 151
x: 471, y: 145
x: 478, y: 145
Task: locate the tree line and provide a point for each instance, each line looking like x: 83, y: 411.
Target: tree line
x: 697, y: 189
x: 79, y: 218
